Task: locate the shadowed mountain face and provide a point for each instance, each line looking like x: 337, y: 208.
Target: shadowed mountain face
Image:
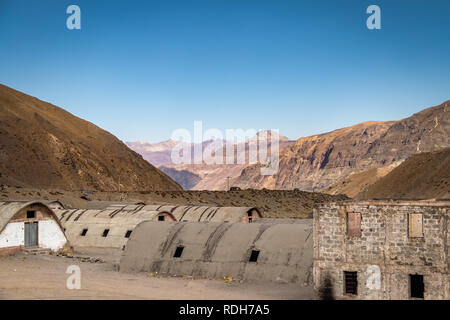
x: 44, y: 146
x: 316, y: 162
x: 422, y: 176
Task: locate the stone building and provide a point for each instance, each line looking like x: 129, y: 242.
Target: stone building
x: 382, y: 250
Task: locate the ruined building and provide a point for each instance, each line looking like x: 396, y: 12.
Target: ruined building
x: 242, y: 251
x: 29, y: 224
x: 382, y: 250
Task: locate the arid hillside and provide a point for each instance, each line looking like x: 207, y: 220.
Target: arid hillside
x: 316, y: 162
x: 422, y: 176
x: 208, y: 175
x: 44, y: 146
x: 352, y: 185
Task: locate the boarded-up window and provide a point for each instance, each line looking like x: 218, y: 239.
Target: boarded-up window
x: 415, y: 225
x: 354, y: 224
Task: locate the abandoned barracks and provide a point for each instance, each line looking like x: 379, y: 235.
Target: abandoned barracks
x: 349, y: 250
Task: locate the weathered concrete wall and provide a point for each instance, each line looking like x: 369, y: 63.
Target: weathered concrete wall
x: 12, y: 235
x: 384, y: 246
x: 216, y: 250
x: 50, y: 235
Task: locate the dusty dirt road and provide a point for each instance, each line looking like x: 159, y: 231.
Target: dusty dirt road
x: 25, y: 276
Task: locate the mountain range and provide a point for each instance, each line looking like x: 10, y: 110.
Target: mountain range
x: 320, y: 161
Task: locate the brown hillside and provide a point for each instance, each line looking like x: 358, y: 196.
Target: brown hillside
x: 318, y: 161
x: 422, y: 176
x: 43, y: 146
x: 355, y: 183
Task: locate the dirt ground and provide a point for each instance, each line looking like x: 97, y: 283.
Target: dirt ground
x: 27, y: 276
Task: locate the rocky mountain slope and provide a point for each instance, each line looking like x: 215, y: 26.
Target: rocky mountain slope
x: 422, y: 176
x: 318, y: 161
x: 206, y: 175
x: 44, y: 146
x: 352, y: 185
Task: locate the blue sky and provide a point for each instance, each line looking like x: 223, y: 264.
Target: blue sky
x: 141, y: 69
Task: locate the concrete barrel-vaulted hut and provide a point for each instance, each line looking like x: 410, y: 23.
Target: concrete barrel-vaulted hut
x: 202, y: 213
x: 255, y: 252
x: 29, y: 224
x: 108, y: 228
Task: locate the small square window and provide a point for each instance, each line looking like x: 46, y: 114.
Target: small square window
x: 128, y: 234
x: 83, y: 233
x: 350, y: 282
x: 161, y: 218
x: 254, y: 256
x: 105, y: 233
x: 31, y: 214
x: 250, y: 220
x: 417, y: 287
x: 178, y: 252
x: 354, y: 224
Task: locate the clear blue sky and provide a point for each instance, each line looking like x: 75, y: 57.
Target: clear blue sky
x: 141, y: 69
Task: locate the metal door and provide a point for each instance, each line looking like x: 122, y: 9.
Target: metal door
x: 31, y: 234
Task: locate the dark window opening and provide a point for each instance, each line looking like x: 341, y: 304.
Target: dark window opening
x: 254, y: 256
x: 128, y: 234
x: 31, y: 214
x: 105, y: 233
x: 417, y: 286
x: 161, y: 218
x: 249, y: 213
x: 351, y: 282
x: 250, y: 220
x: 83, y: 233
x: 178, y: 252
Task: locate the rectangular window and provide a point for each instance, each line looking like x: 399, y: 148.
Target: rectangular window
x: 350, y: 282
x: 417, y: 287
x: 31, y: 214
x: 128, y: 234
x: 178, y: 252
x: 105, y: 233
x: 250, y: 220
x: 83, y: 233
x: 415, y: 227
x: 354, y: 224
x: 254, y: 256
x: 160, y: 218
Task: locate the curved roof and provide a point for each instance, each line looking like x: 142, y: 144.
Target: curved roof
x: 215, y: 250
x: 118, y: 222
x: 201, y: 213
x: 189, y: 212
x: 8, y: 209
x: 91, y: 215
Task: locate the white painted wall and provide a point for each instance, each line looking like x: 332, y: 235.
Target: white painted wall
x: 13, y: 235
x: 49, y: 234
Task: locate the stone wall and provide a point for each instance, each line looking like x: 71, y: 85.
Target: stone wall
x: 384, y: 254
